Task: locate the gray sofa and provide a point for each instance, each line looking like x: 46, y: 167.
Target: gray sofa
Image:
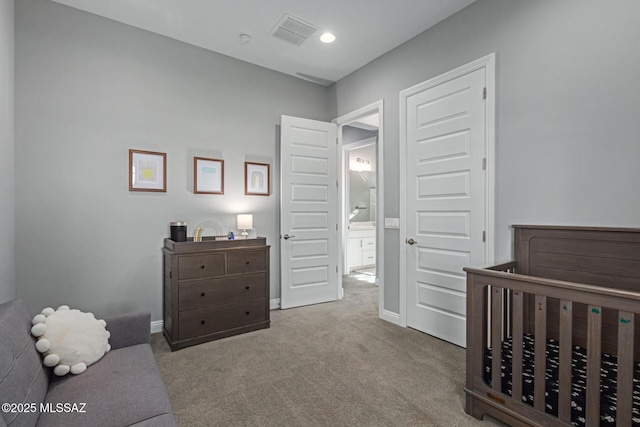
x: 124, y: 388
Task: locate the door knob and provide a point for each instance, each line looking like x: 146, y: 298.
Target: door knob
x: 411, y: 241
x: 287, y: 237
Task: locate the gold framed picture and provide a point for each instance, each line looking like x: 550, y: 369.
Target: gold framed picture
x: 147, y: 171
x: 208, y: 176
x: 257, y: 179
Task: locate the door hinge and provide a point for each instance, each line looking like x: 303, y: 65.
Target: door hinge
x: 170, y: 274
x: 484, y: 93
x: 336, y: 141
x: 336, y: 268
x: 336, y: 183
x: 484, y: 164
x: 484, y: 236
x: 336, y: 227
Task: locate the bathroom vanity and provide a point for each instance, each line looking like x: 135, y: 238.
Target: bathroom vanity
x: 362, y: 245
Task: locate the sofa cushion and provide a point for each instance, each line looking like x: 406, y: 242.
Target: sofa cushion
x: 23, y: 379
x: 121, y: 389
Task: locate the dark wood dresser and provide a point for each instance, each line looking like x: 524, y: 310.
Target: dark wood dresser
x: 214, y: 289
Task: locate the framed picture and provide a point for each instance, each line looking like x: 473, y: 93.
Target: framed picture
x: 147, y: 171
x: 257, y: 179
x: 208, y: 176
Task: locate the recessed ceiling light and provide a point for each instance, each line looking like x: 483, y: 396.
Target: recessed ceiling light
x: 327, y: 38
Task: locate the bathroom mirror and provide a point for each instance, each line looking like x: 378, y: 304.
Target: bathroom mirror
x: 362, y: 196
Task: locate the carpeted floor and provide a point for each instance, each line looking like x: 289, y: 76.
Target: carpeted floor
x: 333, y: 364
x: 371, y: 271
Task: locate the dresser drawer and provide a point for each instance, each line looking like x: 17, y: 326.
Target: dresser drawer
x: 246, y: 262
x: 368, y: 257
x: 221, y: 291
x: 203, y: 321
x: 198, y: 266
x: 368, y: 243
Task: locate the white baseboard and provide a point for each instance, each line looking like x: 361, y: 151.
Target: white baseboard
x: 274, y: 304
x: 156, y: 326
x: 391, y: 317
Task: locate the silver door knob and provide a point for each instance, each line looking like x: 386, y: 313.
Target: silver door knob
x: 287, y: 237
x: 411, y: 241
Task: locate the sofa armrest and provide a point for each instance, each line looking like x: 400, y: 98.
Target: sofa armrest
x: 129, y: 329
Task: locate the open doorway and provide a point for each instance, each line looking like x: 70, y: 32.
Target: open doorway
x: 361, y: 136
x: 314, y: 265
x: 360, y: 202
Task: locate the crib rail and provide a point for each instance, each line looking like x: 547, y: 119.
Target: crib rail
x: 503, y: 304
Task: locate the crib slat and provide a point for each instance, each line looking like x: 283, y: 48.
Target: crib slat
x: 564, y: 374
x: 516, y: 356
x: 496, y: 338
x: 540, y: 357
x: 506, y: 321
x: 594, y: 344
x: 625, y: 368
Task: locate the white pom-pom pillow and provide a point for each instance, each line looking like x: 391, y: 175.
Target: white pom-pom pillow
x: 70, y: 340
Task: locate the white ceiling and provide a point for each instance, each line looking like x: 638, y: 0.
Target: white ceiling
x: 365, y: 29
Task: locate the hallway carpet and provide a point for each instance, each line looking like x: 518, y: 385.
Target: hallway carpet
x: 333, y: 364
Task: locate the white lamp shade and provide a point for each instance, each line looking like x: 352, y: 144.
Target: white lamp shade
x: 245, y: 221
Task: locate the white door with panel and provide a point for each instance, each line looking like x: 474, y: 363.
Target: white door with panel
x: 308, y: 212
x: 445, y: 202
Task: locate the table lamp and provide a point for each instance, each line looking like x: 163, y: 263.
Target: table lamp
x: 245, y: 221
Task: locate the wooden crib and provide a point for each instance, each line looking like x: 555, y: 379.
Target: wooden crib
x: 570, y: 291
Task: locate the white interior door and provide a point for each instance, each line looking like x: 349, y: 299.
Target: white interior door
x: 308, y: 212
x: 445, y: 202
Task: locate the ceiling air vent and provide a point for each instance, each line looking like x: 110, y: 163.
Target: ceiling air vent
x: 293, y: 30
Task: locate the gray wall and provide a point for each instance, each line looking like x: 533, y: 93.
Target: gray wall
x: 87, y: 90
x: 7, y: 170
x: 568, y: 103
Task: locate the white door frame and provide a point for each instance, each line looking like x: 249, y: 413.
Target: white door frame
x: 375, y: 107
x: 488, y: 64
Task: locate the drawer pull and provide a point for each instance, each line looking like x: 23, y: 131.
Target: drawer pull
x: 247, y: 287
x: 202, y: 322
x: 247, y: 262
x: 202, y: 294
x: 246, y: 312
x: 202, y: 266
